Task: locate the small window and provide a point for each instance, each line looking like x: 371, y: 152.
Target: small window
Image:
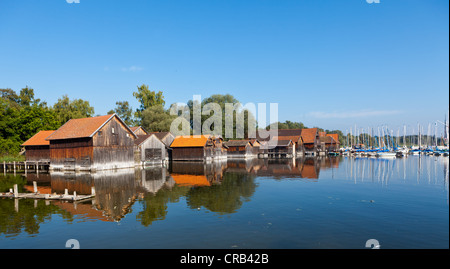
x: 100, y: 133
x: 112, y: 130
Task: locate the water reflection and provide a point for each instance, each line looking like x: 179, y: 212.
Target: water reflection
x: 306, y: 169
x: 221, y: 188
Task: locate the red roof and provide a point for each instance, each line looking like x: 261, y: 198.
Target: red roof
x: 335, y: 137
x: 309, y: 135
x: 38, y: 139
x: 85, y: 127
x: 190, y: 141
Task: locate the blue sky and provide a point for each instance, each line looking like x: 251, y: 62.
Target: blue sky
x: 333, y: 64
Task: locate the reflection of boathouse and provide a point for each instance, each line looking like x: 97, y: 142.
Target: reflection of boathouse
x: 196, y: 173
x: 115, y: 192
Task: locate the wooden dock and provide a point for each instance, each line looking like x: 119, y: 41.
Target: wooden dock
x: 26, y: 166
x: 13, y: 193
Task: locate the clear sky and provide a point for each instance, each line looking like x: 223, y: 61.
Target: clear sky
x: 328, y: 63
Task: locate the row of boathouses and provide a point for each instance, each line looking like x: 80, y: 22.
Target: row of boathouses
x: 107, y: 142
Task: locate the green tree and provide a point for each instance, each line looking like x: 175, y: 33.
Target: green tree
x: 287, y: 125
x: 22, y: 116
x: 156, y: 119
x: 124, y: 111
x: 147, y: 99
x: 249, y: 119
x: 67, y: 109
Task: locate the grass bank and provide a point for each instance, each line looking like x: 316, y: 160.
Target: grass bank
x: 12, y: 158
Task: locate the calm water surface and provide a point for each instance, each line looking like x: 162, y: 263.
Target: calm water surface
x: 310, y: 203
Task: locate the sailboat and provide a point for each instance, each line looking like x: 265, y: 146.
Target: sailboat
x: 386, y: 151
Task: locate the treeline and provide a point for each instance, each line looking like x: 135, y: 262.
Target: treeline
x: 22, y: 115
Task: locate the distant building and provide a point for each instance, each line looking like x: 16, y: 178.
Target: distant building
x: 197, y: 148
x: 138, y: 130
x: 165, y: 137
x: 97, y: 143
x: 241, y: 149
x: 149, y: 149
x: 37, y: 149
x: 310, y: 139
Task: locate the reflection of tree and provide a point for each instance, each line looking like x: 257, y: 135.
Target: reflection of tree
x: 155, y: 205
x: 7, y: 182
x: 28, y: 217
x: 224, y: 198
x: 115, y: 193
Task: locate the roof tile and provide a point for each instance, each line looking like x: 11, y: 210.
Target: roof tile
x: 79, y: 128
x: 39, y: 139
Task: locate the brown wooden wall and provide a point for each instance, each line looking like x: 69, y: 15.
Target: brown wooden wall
x: 113, y: 147
x: 190, y: 153
x: 37, y: 153
x: 71, y: 152
x: 106, y: 148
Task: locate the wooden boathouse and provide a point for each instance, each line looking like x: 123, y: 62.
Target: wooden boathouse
x: 295, y: 135
x: 277, y: 149
x: 97, y: 143
x: 138, y: 130
x: 197, y: 148
x: 37, y: 149
x: 241, y: 149
x: 310, y: 139
x: 328, y: 143
x: 149, y: 149
x: 165, y: 137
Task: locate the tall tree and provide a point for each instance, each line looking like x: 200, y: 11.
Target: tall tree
x: 156, y: 119
x: 147, y: 99
x: 124, y: 111
x: 22, y: 116
x: 67, y: 109
x: 239, y: 112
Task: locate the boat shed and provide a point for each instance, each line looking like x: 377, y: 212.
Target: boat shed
x: 96, y: 143
x: 165, y: 137
x: 138, y: 130
x: 328, y: 144
x: 241, y: 149
x: 310, y: 139
x: 149, y: 149
x: 295, y: 135
x: 277, y: 149
x: 37, y: 149
x: 197, y: 148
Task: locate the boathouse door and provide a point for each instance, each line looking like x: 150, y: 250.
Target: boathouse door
x: 153, y: 155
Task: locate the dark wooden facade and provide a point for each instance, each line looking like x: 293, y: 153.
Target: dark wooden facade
x: 37, y: 149
x: 241, y: 149
x: 37, y: 153
x: 198, y: 148
x: 109, y: 146
x: 150, y: 150
x: 311, y: 142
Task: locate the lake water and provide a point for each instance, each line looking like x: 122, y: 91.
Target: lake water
x: 311, y: 203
